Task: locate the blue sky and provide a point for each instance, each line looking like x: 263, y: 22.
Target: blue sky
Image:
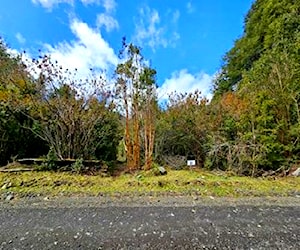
x: 183, y: 40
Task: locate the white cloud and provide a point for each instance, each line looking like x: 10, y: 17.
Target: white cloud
x: 107, y: 21
x: 21, y: 39
x: 176, y: 15
x: 90, y: 1
x: 150, y: 31
x: 13, y: 52
x: 190, y: 8
x: 109, y: 5
x: 184, y: 82
x: 48, y: 4
x: 90, y: 50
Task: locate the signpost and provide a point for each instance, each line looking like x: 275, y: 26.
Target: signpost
x: 191, y: 163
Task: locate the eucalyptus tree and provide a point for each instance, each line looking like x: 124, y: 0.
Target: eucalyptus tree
x: 136, y: 90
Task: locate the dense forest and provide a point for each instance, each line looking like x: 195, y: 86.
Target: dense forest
x: 251, y: 125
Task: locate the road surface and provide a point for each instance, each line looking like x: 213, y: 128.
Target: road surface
x: 85, y: 223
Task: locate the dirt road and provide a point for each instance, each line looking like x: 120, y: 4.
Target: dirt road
x: 154, y: 223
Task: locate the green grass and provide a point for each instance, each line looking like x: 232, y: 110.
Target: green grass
x: 183, y: 182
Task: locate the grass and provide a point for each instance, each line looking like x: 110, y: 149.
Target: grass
x: 183, y: 182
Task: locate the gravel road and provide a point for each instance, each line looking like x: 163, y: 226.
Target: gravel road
x: 150, y: 223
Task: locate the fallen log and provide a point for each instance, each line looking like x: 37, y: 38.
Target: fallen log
x: 100, y: 165
x: 16, y: 170
x: 30, y: 161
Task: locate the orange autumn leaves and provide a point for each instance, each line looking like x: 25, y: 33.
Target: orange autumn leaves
x: 234, y: 105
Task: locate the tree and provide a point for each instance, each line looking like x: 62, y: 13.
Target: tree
x: 16, y: 87
x: 269, y: 24
x: 67, y: 119
x: 183, y: 127
x: 272, y: 85
x: 108, y: 133
x: 257, y: 92
x: 136, y: 90
x: 148, y: 113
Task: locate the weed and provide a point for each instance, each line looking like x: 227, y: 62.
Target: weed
x: 181, y: 182
x: 49, y: 164
x: 77, y: 166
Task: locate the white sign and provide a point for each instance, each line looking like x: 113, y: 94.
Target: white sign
x: 191, y: 162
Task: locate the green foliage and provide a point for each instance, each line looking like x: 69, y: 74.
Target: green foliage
x: 269, y: 25
x: 182, y: 128
x: 108, y: 132
x: 136, y: 93
x: 251, y: 125
x: 257, y: 93
x: 77, y: 166
x: 48, y: 112
x: 16, y: 136
x: 67, y: 119
x: 50, y: 161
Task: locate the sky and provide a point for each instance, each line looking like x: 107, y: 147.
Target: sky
x: 183, y: 40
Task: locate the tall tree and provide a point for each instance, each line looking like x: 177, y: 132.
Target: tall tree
x: 16, y: 88
x: 137, y: 92
x: 257, y: 91
x: 148, y: 113
x: 269, y: 24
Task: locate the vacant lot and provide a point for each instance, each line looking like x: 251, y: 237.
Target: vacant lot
x: 184, y: 182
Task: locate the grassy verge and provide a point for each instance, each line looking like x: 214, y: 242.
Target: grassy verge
x: 184, y: 182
